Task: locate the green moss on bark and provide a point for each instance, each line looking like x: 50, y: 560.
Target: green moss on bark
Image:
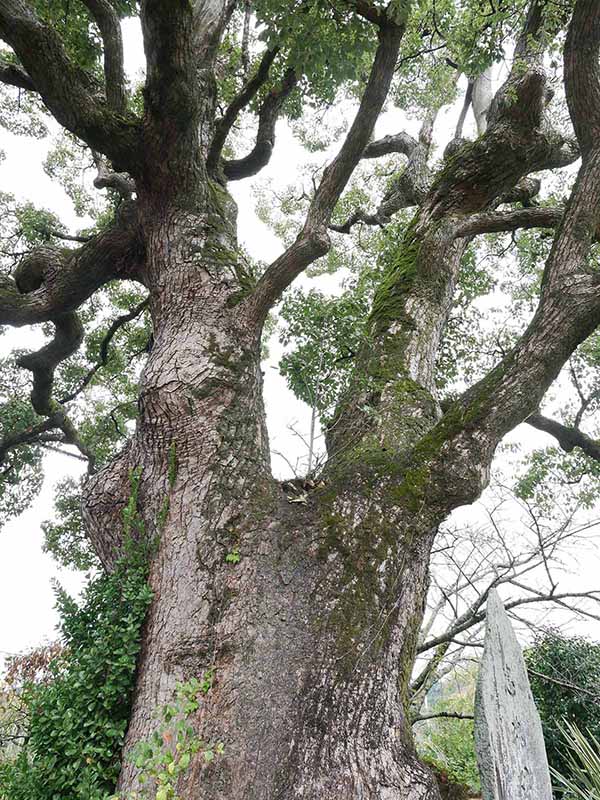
x: 388, y: 303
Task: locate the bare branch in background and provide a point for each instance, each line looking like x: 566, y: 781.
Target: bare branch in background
x: 442, y: 715
x: 468, y: 564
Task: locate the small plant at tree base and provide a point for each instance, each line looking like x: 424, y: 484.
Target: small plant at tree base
x: 167, y: 754
x: 233, y: 557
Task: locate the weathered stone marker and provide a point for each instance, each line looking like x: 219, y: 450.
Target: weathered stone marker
x: 508, y: 733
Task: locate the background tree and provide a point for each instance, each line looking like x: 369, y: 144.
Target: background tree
x: 564, y: 680
x: 528, y: 559
x: 311, y: 629
x: 446, y: 738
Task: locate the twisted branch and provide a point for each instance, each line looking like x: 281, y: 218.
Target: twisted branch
x: 260, y: 155
x: 248, y: 92
x: 50, y: 281
x: 70, y: 93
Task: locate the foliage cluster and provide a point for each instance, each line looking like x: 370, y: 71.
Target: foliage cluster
x: 447, y: 743
x: 76, y: 721
x: 565, y: 675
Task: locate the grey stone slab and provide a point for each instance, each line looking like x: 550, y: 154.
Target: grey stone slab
x: 508, y: 732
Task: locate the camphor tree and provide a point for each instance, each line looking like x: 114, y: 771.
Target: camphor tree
x: 311, y: 629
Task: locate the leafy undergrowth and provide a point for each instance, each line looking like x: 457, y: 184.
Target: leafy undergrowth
x: 76, y: 720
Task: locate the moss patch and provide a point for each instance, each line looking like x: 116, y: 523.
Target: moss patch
x: 388, y: 303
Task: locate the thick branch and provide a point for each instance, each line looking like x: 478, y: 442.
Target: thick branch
x: 71, y: 94
x: 518, y: 139
x: 169, y: 51
x: 463, y: 112
x: 582, y: 73
x: 248, y: 92
x: 357, y: 216
x: 52, y: 281
x: 522, y: 98
x: 67, y: 338
x: 49, y: 285
x: 108, y: 23
x: 568, y: 438
x: 120, y: 182
x: 313, y: 240
x: 396, y: 143
x: 180, y: 91
x: 499, y: 221
x: 210, y: 18
x: 568, y: 311
x: 260, y: 155
x: 367, y: 11
x: 412, y: 303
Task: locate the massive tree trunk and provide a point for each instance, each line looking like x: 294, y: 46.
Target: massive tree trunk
x: 311, y: 635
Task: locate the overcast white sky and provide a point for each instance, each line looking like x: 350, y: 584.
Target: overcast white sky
x: 27, y: 617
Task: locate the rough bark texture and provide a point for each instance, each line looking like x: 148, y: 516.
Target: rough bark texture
x: 312, y: 635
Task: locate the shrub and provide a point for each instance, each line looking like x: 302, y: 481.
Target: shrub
x: 565, y: 675
x: 77, y: 720
x: 583, y: 760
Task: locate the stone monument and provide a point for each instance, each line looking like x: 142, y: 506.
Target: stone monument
x: 508, y: 733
